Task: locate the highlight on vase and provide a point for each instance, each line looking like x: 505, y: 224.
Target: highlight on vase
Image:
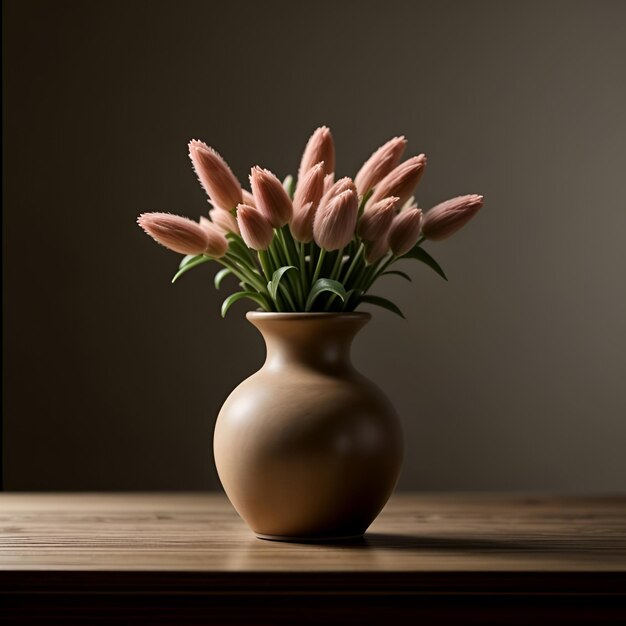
x: 315, y: 243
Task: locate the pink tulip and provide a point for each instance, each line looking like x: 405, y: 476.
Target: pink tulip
x: 401, y: 181
x: 302, y: 223
x: 215, y: 176
x: 379, y: 164
x: 270, y: 197
x: 449, y: 216
x: 375, y: 222
x: 179, y: 234
x: 248, y: 198
x: 333, y: 227
x: 224, y: 220
x: 409, y: 204
x: 405, y: 231
x: 329, y: 181
x: 256, y: 229
x: 320, y: 147
x: 310, y: 188
x: 375, y: 250
x: 218, y: 244
x: 343, y: 184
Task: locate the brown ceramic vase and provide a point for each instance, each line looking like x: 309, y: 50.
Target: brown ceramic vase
x: 307, y: 448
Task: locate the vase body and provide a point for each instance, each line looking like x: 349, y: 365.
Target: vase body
x: 307, y: 448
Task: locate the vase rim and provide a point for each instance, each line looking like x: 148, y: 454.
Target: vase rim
x: 301, y: 315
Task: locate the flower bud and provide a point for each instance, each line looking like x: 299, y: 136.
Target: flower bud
x: 248, y: 198
x: 375, y: 250
x: 224, y: 220
x: 310, y: 188
x: 449, y: 216
x: 320, y: 147
x: 218, y: 244
x: 409, y: 204
x: 401, y: 181
x: 343, y: 184
x: 255, y: 228
x: 215, y: 176
x: 333, y: 227
x: 405, y: 231
x: 375, y: 222
x: 270, y: 197
x: 329, y: 181
x: 379, y: 164
x: 302, y: 223
x: 179, y: 234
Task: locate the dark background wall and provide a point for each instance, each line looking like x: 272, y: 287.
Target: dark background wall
x: 510, y: 376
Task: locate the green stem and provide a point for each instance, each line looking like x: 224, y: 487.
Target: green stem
x: 312, y: 258
x: 287, y: 295
x: 244, y: 262
x: 250, y: 275
x: 334, y: 274
x: 237, y: 271
x: 265, y: 264
x: 304, y: 278
x: 274, y: 257
x: 353, y: 264
x: 264, y: 257
x: 318, y: 266
x: 292, y: 259
x: 383, y: 265
x: 335, y: 271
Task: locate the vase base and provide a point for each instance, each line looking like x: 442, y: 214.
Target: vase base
x: 309, y: 539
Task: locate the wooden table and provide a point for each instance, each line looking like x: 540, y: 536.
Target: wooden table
x: 188, y: 559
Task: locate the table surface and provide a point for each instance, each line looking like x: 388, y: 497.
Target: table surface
x: 414, y: 533
x: 189, y: 559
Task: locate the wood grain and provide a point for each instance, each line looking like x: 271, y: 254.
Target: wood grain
x: 488, y: 552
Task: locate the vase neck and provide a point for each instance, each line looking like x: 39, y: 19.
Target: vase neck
x: 317, y: 341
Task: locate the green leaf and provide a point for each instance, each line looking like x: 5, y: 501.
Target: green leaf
x: 189, y: 257
x: 398, y: 273
x: 290, y: 185
x: 220, y: 276
x: 238, y: 248
x: 324, y: 284
x: 197, y: 260
x: 272, y: 286
x: 384, y: 303
x: 251, y: 295
x: 421, y: 255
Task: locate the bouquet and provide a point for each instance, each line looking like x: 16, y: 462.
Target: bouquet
x: 312, y: 243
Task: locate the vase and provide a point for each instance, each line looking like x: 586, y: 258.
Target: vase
x: 307, y: 448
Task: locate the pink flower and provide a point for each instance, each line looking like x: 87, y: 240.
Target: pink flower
x: 270, y: 197
x: 329, y: 181
x: 248, y: 198
x: 375, y: 222
x: 375, y: 250
x: 333, y: 227
x: 302, y: 223
x: 449, y: 216
x: 256, y: 229
x: 405, y: 231
x: 379, y: 164
x: 224, y: 220
x: 401, y: 181
x: 174, y: 232
x: 310, y: 187
x: 215, y: 176
x: 343, y: 184
x: 218, y: 244
x: 320, y: 147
